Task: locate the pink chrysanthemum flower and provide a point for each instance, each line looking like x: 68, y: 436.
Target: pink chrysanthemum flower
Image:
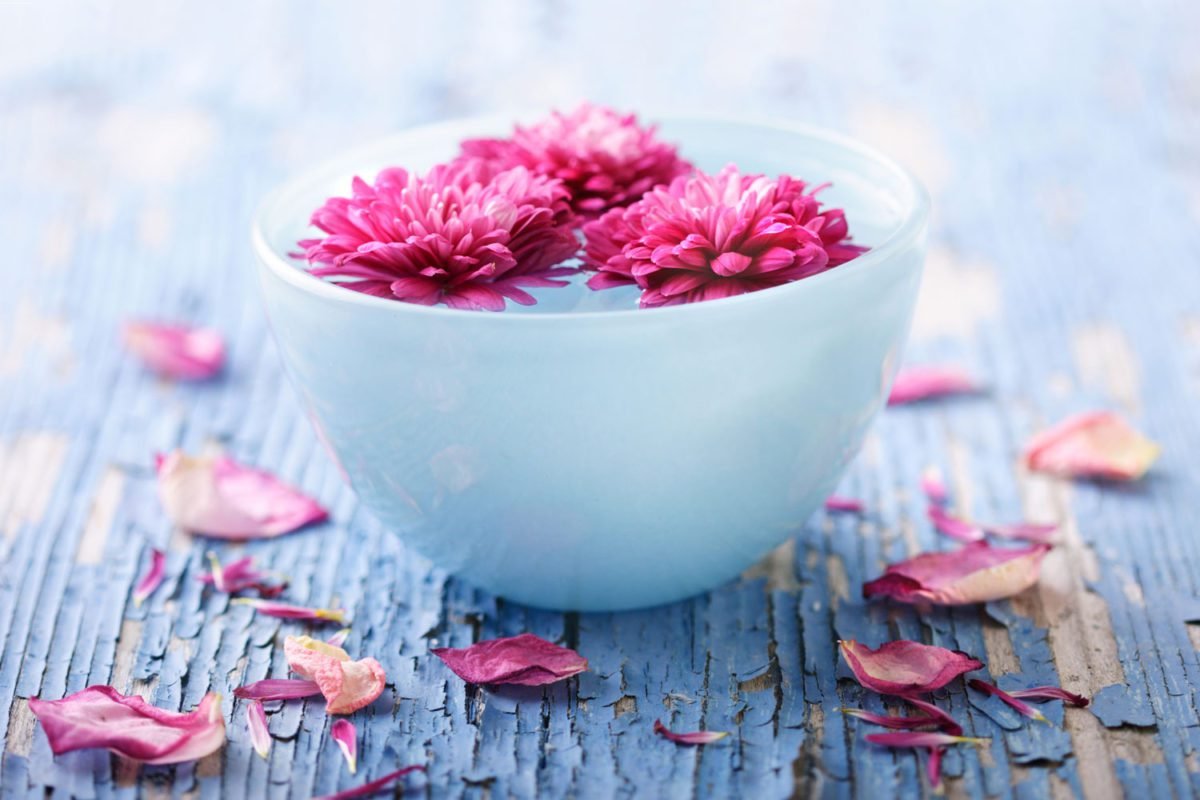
x: 466, y: 234
x: 709, y: 236
x: 604, y: 158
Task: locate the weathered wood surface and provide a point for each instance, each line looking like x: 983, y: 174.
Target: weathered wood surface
x: 1062, y: 147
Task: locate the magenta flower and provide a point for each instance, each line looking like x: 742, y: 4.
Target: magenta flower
x: 604, y: 159
x: 466, y: 234
x: 705, y: 237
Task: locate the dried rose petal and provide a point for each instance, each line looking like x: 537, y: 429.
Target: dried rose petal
x: 967, y: 531
x: 889, y: 721
x: 176, y: 351
x: 952, y: 526
x: 288, y: 611
x: 976, y: 573
x: 849, y: 505
x: 347, y: 685
x: 1097, y: 444
x: 1020, y: 706
x: 903, y: 667
x: 221, y: 498
x: 921, y: 739
x: 277, y: 689
x: 945, y: 722
x: 925, y: 383
x: 260, y: 735
x: 695, y: 737
x: 526, y: 660
x: 155, y: 572
x: 241, y: 575
x: 1039, y: 693
x: 372, y: 787
x: 100, y: 716
x: 934, y: 485
x: 344, y: 733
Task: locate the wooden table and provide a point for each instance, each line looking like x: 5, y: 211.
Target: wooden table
x: 1062, y: 148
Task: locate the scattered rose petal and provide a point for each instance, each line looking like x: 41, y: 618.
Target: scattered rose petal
x: 1020, y: 706
x: 339, y: 638
x: 100, y: 716
x: 970, y: 531
x: 695, y: 737
x: 1041, y: 532
x: 903, y: 667
x: 347, y: 685
x: 945, y: 722
x: 176, y: 351
x: 889, y: 721
x: 256, y: 720
x: 1038, y: 693
x: 921, y: 739
x: 952, y: 526
x: 221, y: 498
x: 849, y: 505
x: 240, y: 575
x: 934, y: 485
x: 526, y: 660
x: 344, y: 733
x: 1097, y: 444
x: 913, y: 384
x: 152, y: 579
x: 368, y: 789
x: 288, y: 611
x: 975, y: 573
x: 277, y: 689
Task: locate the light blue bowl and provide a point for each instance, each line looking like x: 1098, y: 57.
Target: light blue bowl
x: 604, y: 460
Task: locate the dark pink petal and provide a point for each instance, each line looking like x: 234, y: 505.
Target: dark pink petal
x: 100, y: 716
x: 952, y: 526
x: 347, y: 685
x: 945, y: 722
x: 287, y: 611
x: 260, y: 735
x: 1097, y: 444
x: 176, y: 351
x: 241, y: 575
x: 1020, y: 706
x: 934, y: 766
x: 847, y: 504
x: 976, y: 573
x: 921, y: 739
x: 1038, y: 693
x: 153, y: 578
x: 221, y: 498
x: 889, y: 721
x: 934, y: 485
x: 346, y: 736
x: 695, y: 737
x: 277, y: 689
x: 903, y: 667
x: 526, y: 660
x: 368, y: 789
x: 924, y: 383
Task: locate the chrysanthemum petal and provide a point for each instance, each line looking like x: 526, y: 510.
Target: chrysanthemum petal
x: 260, y: 734
x: 933, y: 484
x: 289, y: 611
x: 693, y: 738
x: 347, y: 685
x: 1097, y: 444
x: 372, y: 787
x: 346, y: 735
x: 339, y: 638
x: 241, y: 575
x: 277, y: 689
x: 903, y: 667
x: 837, y: 503
x: 156, y: 570
x: 1020, y: 706
x: 921, y: 739
x: 526, y: 660
x: 975, y: 573
x: 914, y: 384
x: 889, y: 721
x: 945, y: 722
x: 176, y: 351
x: 1039, y: 693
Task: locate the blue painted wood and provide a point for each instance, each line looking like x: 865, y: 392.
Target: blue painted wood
x: 1061, y: 150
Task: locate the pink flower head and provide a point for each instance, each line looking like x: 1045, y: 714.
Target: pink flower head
x: 693, y: 737
x: 465, y: 234
x: 1098, y: 444
x: 604, y: 159
x: 904, y: 667
x: 526, y: 660
x: 705, y: 237
x: 914, y: 384
x: 347, y: 685
x: 176, y: 351
x: 100, y: 716
x: 976, y: 573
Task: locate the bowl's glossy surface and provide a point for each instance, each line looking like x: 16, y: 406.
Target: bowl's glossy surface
x: 610, y: 459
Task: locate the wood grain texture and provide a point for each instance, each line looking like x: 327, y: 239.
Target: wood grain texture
x: 1062, y: 146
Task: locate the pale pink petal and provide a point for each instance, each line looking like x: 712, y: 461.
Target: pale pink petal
x: 344, y: 733
x: 934, y: 485
x: 1039, y: 693
x: 913, y: 384
x: 221, y: 498
x: 347, y: 685
x: 836, y: 503
x: 1097, y: 444
x: 287, y: 611
x: 1020, y: 706
x: 176, y: 351
x: 339, y: 638
x: 933, y: 768
x: 526, y: 660
x: 967, y: 531
x: 695, y: 737
x: 260, y: 735
x: 976, y: 573
x: 903, y: 667
x: 277, y: 689
x: 921, y: 739
x: 153, y: 577
x: 100, y: 716
x: 372, y: 787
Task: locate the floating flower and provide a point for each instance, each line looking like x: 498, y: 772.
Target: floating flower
x: 153, y: 578
x: 176, y: 351
x: 976, y: 573
x: 913, y: 384
x: 1039, y: 693
x: 240, y: 575
x: 705, y: 237
x: 256, y: 721
x: 694, y: 738
x: 465, y: 234
x: 221, y: 498
x: 604, y: 159
x: 100, y: 716
x: 934, y: 485
x: 372, y: 787
x: 344, y: 733
x: 526, y: 660
x: 967, y: 531
x: 837, y: 503
x: 347, y: 685
x: 277, y: 689
x: 1097, y: 444
x: 903, y: 667
x: 1018, y: 705
x: 289, y: 611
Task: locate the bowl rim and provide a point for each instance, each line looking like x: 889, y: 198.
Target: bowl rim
x: 912, y: 224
